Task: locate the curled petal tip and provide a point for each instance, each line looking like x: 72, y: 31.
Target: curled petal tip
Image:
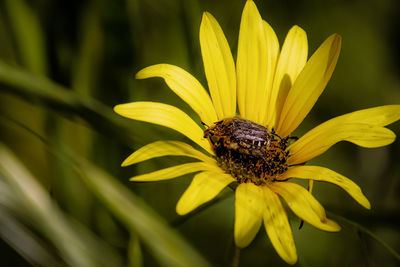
x: 206, y: 14
x: 179, y: 210
x: 297, y: 28
x: 250, y: 2
x: 139, y: 75
x: 116, y: 108
x: 334, y: 226
x: 337, y: 36
x: 367, y: 204
x: 337, y: 39
x: 206, y: 17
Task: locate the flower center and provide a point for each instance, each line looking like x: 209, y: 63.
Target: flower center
x: 248, y: 151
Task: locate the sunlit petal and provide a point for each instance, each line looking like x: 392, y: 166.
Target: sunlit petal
x: 186, y: 87
x: 291, y: 61
x: 173, y: 172
x: 310, y: 185
x: 378, y: 116
x: 347, y: 128
x: 165, y: 115
x: 277, y: 226
x: 324, y: 174
x: 304, y: 205
x: 267, y: 112
x: 204, y: 187
x: 249, y: 208
x: 251, y: 66
x: 309, y: 85
x: 219, y: 66
x: 321, y: 138
x: 165, y: 148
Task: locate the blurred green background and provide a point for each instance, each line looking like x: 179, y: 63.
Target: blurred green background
x: 65, y: 200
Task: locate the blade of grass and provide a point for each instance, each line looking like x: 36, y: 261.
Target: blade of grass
x: 68, y: 189
x: 25, y: 242
x: 167, y: 246
x: 165, y: 243
x: 28, y: 35
x: 134, y: 251
x: 77, y: 246
x: 367, y: 232
x: 101, y: 117
x: 85, y: 72
x: 7, y: 50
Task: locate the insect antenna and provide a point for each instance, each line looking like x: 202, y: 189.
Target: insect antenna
x: 205, y: 124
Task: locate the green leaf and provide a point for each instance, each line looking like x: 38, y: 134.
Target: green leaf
x: 75, y: 243
x: 25, y: 242
x: 85, y: 72
x: 28, y: 34
x: 101, y: 117
x: 165, y: 243
x: 134, y: 251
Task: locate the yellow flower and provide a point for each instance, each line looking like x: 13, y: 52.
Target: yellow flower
x: 275, y: 89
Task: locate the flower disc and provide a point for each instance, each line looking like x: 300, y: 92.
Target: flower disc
x: 247, y: 150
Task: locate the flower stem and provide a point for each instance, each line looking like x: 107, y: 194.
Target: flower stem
x: 236, y: 257
x: 368, y: 232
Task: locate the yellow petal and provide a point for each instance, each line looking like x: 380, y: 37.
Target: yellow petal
x: 309, y: 85
x: 321, y: 138
x: 304, y: 205
x: 272, y: 58
x: 165, y: 148
x: 251, y: 67
x: 173, y: 172
x: 249, y: 208
x: 277, y: 226
x: 291, y: 61
x: 204, y: 187
x: 378, y: 116
x: 219, y: 66
x: 165, y: 115
x: 326, y: 175
x: 186, y: 87
x: 310, y: 185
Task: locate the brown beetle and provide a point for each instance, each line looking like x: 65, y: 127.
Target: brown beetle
x: 247, y: 150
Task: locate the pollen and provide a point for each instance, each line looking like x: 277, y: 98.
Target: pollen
x: 248, y: 151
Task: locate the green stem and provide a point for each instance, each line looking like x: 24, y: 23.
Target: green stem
x: 368, y: 232
x: 236, y: 257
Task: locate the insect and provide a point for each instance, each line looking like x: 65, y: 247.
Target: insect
x: 247, y: 150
